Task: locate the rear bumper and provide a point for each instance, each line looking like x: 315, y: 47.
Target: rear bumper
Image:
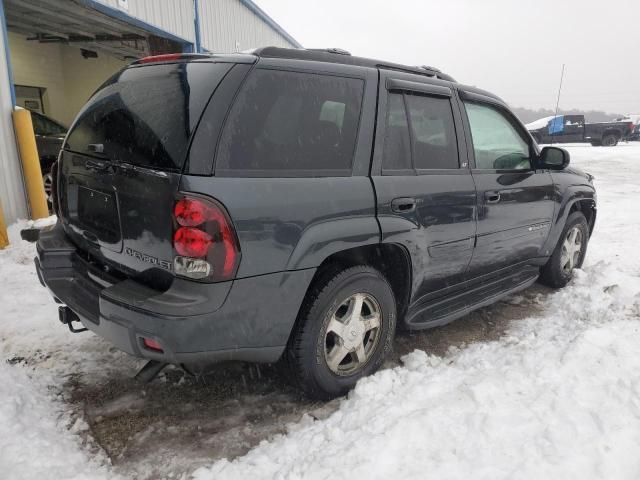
x: 196, y: 324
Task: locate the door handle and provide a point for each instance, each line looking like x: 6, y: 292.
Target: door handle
x: 403, y: 205
x: 492, y: 197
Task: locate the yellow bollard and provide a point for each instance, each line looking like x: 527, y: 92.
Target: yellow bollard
x: 30, y: 163
x: 4, y: 236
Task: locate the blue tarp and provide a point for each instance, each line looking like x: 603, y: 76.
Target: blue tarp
x: 556, y: 125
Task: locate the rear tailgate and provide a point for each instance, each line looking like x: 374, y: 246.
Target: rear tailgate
x: 122, y: 162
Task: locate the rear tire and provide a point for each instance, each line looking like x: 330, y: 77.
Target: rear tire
x: 609, y: 140
x: 344, y: 331
x: 569, y: 252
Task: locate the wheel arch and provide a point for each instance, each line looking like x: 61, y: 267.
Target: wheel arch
x: 612, y: 131
x: 578, y: 201
x: 392, y: 260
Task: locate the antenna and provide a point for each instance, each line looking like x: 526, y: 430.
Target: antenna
x: 558, y: 99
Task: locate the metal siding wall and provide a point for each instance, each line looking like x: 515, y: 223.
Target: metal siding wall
x: 12, y: 196
x: 225, y: 22
x: 173, y: 16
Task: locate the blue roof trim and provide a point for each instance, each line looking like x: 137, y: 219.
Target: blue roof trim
x: 7, y: 52
x: 270, y: 21
x: 136, y: 22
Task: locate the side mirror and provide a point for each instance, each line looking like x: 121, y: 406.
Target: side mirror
x: 554, y: 158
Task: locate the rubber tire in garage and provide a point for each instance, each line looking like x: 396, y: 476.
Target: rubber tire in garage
x: 609, y: 141
x: 552, y: 273
x: 306, y: 349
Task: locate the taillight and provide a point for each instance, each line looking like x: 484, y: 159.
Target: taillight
x: 167, y: 57
x: 204, y: 240
x: 192, y: 242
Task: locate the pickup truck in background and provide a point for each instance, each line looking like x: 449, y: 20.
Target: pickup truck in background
x: 574, y: 129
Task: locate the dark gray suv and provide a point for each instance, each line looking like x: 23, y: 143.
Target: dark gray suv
x: 299, y: 204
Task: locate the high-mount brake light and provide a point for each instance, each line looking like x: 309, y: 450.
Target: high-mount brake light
x: 204, y: 240
x: 170, y: 57
x: 167, y: 57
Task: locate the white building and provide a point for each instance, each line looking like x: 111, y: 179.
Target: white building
x: 55, y: 53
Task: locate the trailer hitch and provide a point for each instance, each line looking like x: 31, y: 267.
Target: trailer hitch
x: 67, y: 317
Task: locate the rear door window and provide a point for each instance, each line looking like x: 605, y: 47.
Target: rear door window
x: 433, y: 132
x: 423, y: 139
x: 291, y: 123
x: 146, y: 115
x: 397, y: 142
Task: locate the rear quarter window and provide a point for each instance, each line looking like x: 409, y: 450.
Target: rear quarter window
x: 146, y: 115
x: 291, y: 123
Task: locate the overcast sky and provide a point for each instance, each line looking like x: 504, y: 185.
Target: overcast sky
x: 514, y: 48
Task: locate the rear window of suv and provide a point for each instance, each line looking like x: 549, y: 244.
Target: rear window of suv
x: 291, y: 123
x: 146, y: 115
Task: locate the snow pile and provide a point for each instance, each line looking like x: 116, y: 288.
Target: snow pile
x: 559, y: 398
x: 34, y: 439
x: 35, y: 353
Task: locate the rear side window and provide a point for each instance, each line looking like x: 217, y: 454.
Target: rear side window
x: 291, y: 122
x: 146, y: 115
x: 423, y: 139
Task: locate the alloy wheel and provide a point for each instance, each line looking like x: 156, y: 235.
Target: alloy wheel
x: 352, y: 334
x: 571, y: 250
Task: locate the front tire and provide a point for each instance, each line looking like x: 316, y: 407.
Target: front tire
x: 344, y: 332
x: 569, y: 252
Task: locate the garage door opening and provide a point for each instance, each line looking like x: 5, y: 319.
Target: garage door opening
x: 62, y: 51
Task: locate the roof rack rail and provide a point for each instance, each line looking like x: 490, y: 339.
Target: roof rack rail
x: 337, y: 55
x: 337, y: 51
x: 432, y: 69
x: 431, y: 72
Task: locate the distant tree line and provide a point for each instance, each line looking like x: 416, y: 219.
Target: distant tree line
x: 527, y: 115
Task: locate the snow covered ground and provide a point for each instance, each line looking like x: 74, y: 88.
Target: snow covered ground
x: 558, y: 395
